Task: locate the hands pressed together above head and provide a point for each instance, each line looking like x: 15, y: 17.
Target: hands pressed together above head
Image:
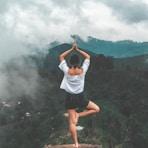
x: 74, y: 45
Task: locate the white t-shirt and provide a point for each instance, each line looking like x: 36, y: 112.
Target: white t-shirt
x: 73, y: 84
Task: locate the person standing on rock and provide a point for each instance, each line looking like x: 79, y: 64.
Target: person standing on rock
x: 73, y: 83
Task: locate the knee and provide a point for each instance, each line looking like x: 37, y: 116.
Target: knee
x: 97, y: 109
x: 71, y: 122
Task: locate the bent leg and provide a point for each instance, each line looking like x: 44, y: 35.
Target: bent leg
x: 73, y: 119
x: 92, y: 108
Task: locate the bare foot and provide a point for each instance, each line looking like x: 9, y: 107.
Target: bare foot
x: 75, y: 145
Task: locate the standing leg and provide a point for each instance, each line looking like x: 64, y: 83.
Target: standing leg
x: 92, y: 108
x: 73, y: 119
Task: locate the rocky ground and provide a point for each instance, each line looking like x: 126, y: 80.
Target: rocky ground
x: 71, y: 146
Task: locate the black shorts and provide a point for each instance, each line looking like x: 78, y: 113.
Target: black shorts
x: 75, y: 101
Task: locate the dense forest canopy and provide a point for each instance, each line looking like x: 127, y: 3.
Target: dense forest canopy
x: 32, y: 115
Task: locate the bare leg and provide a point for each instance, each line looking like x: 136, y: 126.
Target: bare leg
x: 73, y: 119
x: 92, y: 108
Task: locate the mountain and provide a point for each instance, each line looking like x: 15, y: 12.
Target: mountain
x: 118, y: 49
x: 51, y: 59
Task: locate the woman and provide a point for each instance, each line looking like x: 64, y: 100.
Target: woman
x: 73, y: 84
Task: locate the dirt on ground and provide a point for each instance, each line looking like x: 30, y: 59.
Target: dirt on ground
x: 71, y: 146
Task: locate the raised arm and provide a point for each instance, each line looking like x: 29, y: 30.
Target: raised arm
x: 64, y: 54
x: 84, y: 54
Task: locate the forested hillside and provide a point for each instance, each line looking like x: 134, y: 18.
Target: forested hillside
x: 118, y: 49
x: 34, y: 117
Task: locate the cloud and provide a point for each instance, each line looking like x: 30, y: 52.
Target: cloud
x: 10, y: 47
x: 36, y: 23
x: 18, y: 77
x: 132, y: 11
x: 66, y: 3
x: 31, y: 25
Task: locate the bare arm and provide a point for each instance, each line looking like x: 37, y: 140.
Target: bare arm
x: 84, y: 54
x: 64, y: 54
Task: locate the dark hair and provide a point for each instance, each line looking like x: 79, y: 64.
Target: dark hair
x: 74, y: 60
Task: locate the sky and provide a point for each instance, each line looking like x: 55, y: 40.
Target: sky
x: 36, y: 23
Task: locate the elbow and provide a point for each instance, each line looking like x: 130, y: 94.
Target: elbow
x: 88, y: 57
x: 61, y: 58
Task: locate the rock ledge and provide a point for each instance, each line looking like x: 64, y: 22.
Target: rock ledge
x: 71, y: 146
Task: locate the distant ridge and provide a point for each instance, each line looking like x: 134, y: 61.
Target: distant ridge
x: 51, y: 59
x: 117, y: 49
